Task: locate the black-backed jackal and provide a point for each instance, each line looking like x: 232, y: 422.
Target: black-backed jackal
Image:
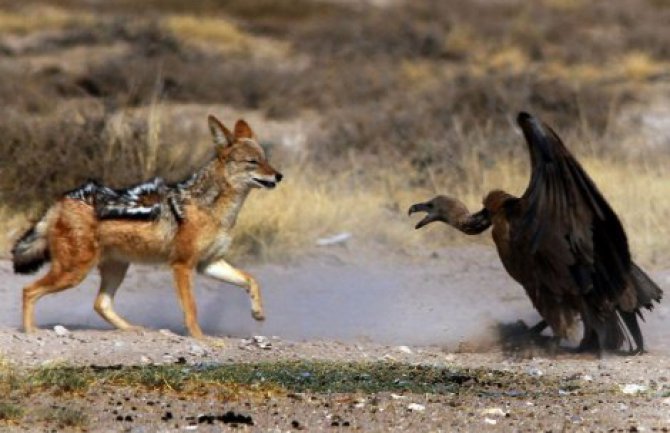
x: 186, y: 225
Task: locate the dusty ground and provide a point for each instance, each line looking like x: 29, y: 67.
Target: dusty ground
x: 438, y: 310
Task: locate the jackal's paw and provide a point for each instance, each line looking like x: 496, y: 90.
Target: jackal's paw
x: 134, y: 329
x: 258, y: 315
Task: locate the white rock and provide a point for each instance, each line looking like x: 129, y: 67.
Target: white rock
x: 633, y: 388
x: 490, y: 421
x: 145, y: 359
x: 405, y: 349
x: 196, y: 350
x: 119, y: 344
x: 587, y: 378
x: 416, y: 407
x: 61, y: 331
x: 494, y: 411
x: 333, y: 240
x: 262, y: 342
x: 397, y: 396
x: 534, y: 371
x: 168, y: 333
x: 666, y: 401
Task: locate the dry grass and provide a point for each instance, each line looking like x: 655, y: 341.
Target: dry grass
x: 415, y: 98
x: 40, y: 18
x: 373, y: 207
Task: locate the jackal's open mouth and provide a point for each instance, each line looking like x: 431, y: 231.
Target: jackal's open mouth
x: 265, y: 183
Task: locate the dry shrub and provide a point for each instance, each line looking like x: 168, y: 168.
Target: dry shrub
x: 428, y: 89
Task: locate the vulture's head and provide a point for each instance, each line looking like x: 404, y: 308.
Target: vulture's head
x: 440, y: 208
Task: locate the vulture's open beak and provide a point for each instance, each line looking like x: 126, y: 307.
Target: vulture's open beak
x: 422, y: 207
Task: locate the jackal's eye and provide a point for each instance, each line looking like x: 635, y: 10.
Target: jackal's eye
x: 252, y: 161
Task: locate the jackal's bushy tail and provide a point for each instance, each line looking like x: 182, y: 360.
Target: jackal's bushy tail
x: 31, y: 251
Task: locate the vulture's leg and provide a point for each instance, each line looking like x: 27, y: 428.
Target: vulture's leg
x: 538, y: 328
x: 630, y: 319
x: 589, y: 342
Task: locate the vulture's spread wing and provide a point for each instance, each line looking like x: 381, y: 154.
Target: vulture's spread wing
x: 566, y: 223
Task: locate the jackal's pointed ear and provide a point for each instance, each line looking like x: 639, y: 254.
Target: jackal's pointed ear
x: 243, y: 130
x: 221, y: 135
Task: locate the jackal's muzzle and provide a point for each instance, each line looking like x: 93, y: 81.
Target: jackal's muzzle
x: 269, y: 181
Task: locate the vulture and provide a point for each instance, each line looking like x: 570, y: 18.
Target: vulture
x: 564, y: 244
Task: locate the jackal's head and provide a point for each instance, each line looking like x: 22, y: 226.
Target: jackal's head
x: 242, y: 159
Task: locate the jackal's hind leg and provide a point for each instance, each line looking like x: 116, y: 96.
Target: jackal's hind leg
x: 111, y: 276
x: 54, y: 281
x: 223, y: 271
x: 183, y: 276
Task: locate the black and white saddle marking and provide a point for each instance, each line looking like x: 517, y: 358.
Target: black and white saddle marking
x: 139, y: 202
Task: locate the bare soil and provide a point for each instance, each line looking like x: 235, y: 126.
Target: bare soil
x: 441, y: 309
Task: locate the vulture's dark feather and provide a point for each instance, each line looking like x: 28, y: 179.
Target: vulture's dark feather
x: 563, y: 243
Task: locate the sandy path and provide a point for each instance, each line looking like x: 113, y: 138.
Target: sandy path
x: 456, y: 298
x: 417, y: 310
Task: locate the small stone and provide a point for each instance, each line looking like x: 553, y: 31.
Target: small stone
x: 534, y: 371
x: 61, y: 331
x: 405, y: 349
x: 490, y: 421
x: 494, y: 411
x: 633, y: 388
x: 262, y: 342
x: 196, y: 350
x: 416, y: 407
x: 145, y: 359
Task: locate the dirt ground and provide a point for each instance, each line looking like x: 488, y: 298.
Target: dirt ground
x: 441, y: 309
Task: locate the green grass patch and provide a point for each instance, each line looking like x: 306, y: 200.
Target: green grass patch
x: 10, y: 411
x: 283, y: 376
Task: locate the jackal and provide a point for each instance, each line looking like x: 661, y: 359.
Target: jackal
x: 186, y: 225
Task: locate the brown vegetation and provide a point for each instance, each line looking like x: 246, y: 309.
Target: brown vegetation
x: 427, y: 90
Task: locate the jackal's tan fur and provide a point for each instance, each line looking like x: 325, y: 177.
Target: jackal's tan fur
x: 76, y: 240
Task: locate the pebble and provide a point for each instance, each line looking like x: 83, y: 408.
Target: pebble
x: 416, y: 407
x: 633, y: 388
x: 534, y: 371
x: 196, y: 350
x: 490, y: 421
x: 494, y: 411
x: 61, y: 331
x: 405, y: 349
x: 259, y: 341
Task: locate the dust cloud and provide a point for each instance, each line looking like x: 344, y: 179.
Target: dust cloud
x: 458, y: 300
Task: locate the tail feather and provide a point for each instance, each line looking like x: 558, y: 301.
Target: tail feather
x: 31, y: 251
x: 614, y: 334
x: 647, y: 291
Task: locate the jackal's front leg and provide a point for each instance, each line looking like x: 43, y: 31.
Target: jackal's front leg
x: 223, y: 271
x: 183, y: 276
